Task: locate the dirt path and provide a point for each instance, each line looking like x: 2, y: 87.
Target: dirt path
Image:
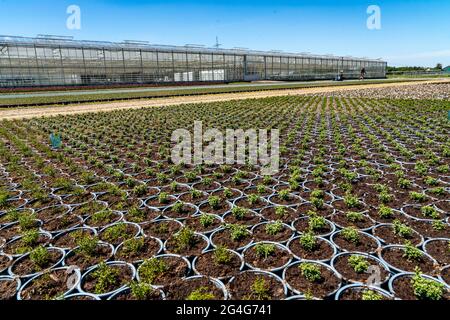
x: 31, y: 112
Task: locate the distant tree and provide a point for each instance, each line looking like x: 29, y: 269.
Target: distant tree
x: 439, y: 66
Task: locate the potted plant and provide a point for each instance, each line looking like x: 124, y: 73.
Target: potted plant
x: 37, y: 261
x: 53, y: 284
x: 137, y: 249
x: 107, y: 278
x: 257, y: 285
x: 275, y: 231
x: 233, y: 236
x: 418, y: 286
x: 196, y: 288
x: 351, y: 239
x: 162, y: 270
x: 267, y: 256
x: 311, y: 247
x: 220, y: 263
x: 313, y: 278
x: 354, y: 267
x: 186, y: 243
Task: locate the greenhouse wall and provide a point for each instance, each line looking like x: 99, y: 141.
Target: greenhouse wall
x: 59, y: 62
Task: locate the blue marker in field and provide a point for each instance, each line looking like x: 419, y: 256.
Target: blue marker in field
x: 56, y: 140
x: 448, y: 116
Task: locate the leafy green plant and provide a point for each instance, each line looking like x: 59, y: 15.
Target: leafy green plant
x: 253, y: 199
x: 237, y: 232
x: 102, y: 216
x: 354, y: 216
x: 140, y: 290
x: 439, y: 225
x: 140, y: 190
x: 136, y: 214
x: 163, y: 198
x: 318, y: 203
x: 185, y: 239
x: 206, y: 220
x: 239, y: 213
x: 260, y: 290
x: 316, y: 222
x: 358, y: 263
x: 214, y: 202
x: 178, y: 207
x: 429, y: 212
x: 87, y: 245
x: 284, y: 195
x: 352, y: 201
x: 133, y: 245
x: 310, y: 271
x: 151, y: 269
x: 371, y: 295
x: 105, y: 277
x: 385, y: 212
x: 281, y: 212
x: 227, y: 193
x: 402, y: 229
x: 115, y: 232
x: 351, y: 234
x: 426, y: 289
x: 412, y: 253
x: 404, y: 183
x: 308, y: 241
x: 417, y: 196
x: 40, y: 257
x: 200, y: 294
x: 222, y: 255
x: 264, y: 250
x: 274, y: 228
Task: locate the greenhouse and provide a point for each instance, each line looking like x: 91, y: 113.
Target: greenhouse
x: 62, y: 61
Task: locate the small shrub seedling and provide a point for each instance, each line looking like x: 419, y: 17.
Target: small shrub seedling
x: 185, y: 239
x: 385, y: 212
x: 429, y: 212
x: 40, y: 257
x: 140, y: 290
x: 151, y: 269
x: 260, y: 290
x: 426, y: 289
x: 237, y: 231
x: 133, y: 245
x: 264, y: 250
x: 402, y: 229
x: 316, y: 222
x: 310, y: 271
x: 105, y: 277
x: 281, y: 212
x: 239, y: 213
x: 371, y: 295
x: 214, y: 202
x: 308, y: 241
x: 358, y: 263
x: 355, y: 216
x: 274, y: 228
x: 351, y: 234
x: 412, y: 253
x: 163, y: 198
x: 200, y: 294
x: 222, y: 255
x: 206, y: 220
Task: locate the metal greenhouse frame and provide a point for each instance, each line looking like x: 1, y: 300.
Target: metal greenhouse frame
x: 62, y: 61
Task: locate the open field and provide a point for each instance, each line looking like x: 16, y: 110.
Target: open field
x: 410, y: 89
x: 363, y: 189
x: 9, y: 100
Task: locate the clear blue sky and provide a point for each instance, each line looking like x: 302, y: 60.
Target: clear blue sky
x: 412, y: 32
